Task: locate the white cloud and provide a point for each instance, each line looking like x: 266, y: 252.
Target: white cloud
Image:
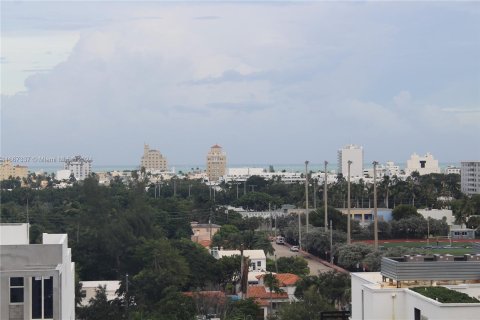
x: 271, y: 79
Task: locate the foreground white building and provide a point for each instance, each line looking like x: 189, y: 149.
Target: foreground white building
x: 423, y: 165
x: 374, y: 299
x: 352, y: 153
x: 470, y: 177
x: 37, y: 281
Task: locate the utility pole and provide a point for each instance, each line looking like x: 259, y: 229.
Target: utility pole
x: 210, y: 223
x: 315, y: 181
x: 331, y: 242
x: 349, y: 231
x: 325, y: 187
x: 189, y: 189
x: 126, y: 295
x: 252, y: 186
x: 375, y: 213
x: 28, y: 223
x: 175, y: 187
x: 299, y: 231
x: 306, y: 198
x: 245, y: 187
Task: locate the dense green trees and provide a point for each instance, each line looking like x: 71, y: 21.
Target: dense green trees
x: 404, y: 211
x: 296, y: 265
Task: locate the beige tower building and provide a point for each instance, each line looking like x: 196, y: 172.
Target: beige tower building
x: 216, y: 163
x: 8, y: 170
x: 152, y: 160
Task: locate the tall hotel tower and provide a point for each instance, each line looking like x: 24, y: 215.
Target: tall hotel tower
x: 216, y: 163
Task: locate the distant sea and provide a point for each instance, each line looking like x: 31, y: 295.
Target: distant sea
x: 49, y: 168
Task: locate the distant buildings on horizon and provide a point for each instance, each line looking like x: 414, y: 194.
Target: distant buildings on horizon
x: 216, y: 169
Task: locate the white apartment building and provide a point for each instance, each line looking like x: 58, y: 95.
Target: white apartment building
x: 391, y: 169
x: 153, y: 160
x: 423, y: 165
x: 352, y: 153
x: 452, y: 170
x: 216, y: 163
x: 63, y: 175
x: 470, y: 177
x: 80, y: 167
x: 258, y: 259
x: 37, y: 281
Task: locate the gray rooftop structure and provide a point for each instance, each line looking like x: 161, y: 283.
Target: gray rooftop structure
x: 437, y: 267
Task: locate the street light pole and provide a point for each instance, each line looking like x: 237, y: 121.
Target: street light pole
x: 375, y: 213
x: 306, y: 196
x: 349, y: 231
x: 325, y: 196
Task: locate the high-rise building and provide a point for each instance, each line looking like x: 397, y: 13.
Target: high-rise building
x: 352, y: 153
x: 423, y: 165
x: 79, y: 166
x: 470, y: 177
x: 8, y: 170
x: 216, y: 163
x: 152, y: 160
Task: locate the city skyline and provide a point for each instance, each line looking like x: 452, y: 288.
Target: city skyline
x: 269, y: 82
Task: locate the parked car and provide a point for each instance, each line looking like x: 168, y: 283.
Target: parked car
x: 280, y: 240
x: 294, y: 248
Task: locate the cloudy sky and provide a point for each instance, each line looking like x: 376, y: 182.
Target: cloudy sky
x: 270, y: 82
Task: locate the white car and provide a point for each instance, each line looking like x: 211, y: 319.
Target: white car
x: 294, y: 248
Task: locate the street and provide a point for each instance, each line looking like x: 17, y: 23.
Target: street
x: 284, y: 251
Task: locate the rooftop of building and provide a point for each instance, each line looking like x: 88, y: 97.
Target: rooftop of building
x: 284, y: 279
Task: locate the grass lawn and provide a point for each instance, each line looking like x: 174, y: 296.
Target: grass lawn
x: 459, y: 248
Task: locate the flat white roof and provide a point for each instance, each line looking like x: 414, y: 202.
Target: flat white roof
x: 252, y: 254
x: 110, y: 285
x: 14, y: 233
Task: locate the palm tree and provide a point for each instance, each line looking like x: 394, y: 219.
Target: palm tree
x: 273, y: 285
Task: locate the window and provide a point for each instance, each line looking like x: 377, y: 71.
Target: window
x: 16, y: 290
x: 259, y: 263
x: 42, y: 298
x: 417, y: 314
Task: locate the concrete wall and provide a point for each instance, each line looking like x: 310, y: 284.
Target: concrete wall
x: 13, y: 233
x: 51, y: 259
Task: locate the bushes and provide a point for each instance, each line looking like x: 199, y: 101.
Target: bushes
x: 445, y: 295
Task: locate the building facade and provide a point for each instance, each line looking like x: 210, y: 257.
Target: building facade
x: 216, y: 163
x: 352, y: 153
x: 423, y: 165
x: 452, y: 170
x: 470, y: 177
x: 37, y: 281
x: 79, y: 166
x: 7, y: 170
x: 153, y: 160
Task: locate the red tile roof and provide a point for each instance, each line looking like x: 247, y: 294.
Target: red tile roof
x: 259, y: 292
x: 284, y: 279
